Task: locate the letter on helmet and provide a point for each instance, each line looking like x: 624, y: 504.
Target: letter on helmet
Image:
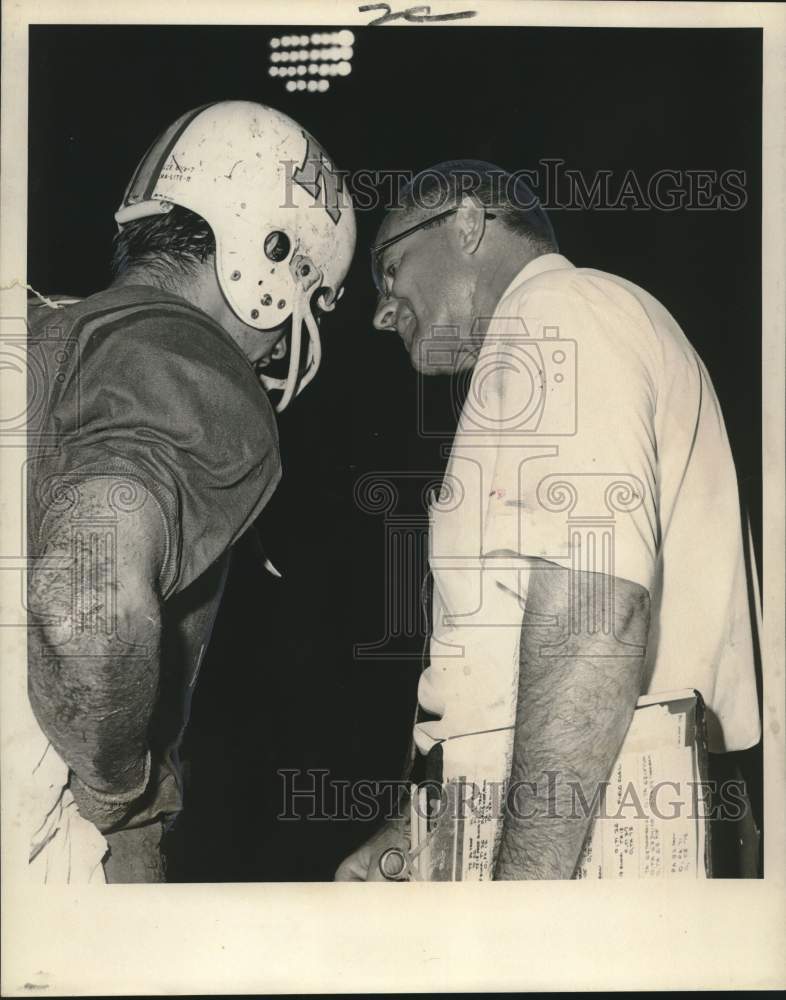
x: 283, y: 223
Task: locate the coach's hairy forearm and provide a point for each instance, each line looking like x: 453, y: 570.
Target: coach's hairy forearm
x: 575, y: 703
x: 94, y: 644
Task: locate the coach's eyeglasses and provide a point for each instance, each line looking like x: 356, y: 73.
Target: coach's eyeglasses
x: 378, y: 250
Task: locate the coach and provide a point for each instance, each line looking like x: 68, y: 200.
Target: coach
x: 587, y: 545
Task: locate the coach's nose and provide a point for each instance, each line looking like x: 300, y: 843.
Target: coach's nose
x: 386, y: 313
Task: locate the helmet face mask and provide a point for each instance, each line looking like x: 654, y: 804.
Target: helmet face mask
x: 283, y: 225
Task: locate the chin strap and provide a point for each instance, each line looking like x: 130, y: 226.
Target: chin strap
x: 307, y: 280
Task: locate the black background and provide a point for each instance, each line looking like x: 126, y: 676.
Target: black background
x: 280, y: 687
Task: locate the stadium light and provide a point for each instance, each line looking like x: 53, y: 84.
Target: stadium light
x: 312, y: 59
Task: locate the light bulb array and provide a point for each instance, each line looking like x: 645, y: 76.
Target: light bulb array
x: 307, y: 61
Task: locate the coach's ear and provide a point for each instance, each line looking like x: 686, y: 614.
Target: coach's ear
x: 470, y: 223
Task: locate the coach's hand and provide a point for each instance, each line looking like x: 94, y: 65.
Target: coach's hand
x: 363, y: 864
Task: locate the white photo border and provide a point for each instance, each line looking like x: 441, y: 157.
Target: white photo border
x: 289, y: 938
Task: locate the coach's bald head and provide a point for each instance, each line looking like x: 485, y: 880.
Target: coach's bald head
x: 445, y: 254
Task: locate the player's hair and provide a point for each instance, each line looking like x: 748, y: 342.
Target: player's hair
x: 171, y: 246
x: 507, y: 195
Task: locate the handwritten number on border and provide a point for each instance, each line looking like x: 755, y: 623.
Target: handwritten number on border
x: 413, y: 14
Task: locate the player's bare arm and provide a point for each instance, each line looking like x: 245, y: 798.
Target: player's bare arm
x: 94, y: 645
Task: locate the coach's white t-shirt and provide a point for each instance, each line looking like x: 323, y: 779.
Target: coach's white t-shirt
x: 591, y: 437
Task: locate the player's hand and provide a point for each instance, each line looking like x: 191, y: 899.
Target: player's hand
x: 363, y: 864
x: 102, y: 814
x: 106, y: 811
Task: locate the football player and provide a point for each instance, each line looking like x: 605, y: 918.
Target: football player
x: 154, y: 451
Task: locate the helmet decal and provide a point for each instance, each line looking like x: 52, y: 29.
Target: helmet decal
x: 158, y: 159
x: 317, y: 176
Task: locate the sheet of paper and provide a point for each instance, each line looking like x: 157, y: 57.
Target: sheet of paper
x: 655, y: 726
x: 460, y: 844
x: 648, y: 825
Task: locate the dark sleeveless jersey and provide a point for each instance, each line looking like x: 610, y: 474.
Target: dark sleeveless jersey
x: 134, y: 386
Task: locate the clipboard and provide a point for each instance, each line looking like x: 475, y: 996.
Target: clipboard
x: 652, y: 820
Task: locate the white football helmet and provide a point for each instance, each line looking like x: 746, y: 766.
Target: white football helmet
x: 283, y: 222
